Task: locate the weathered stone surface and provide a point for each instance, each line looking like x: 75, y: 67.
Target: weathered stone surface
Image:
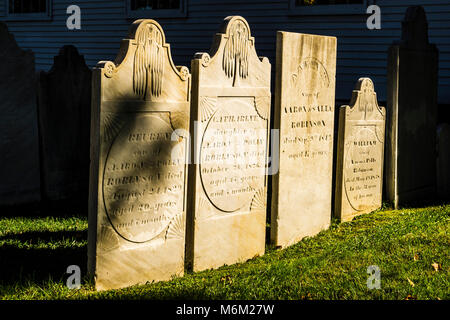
x: 230, y: 126
x: 304, y: 114
x: 64, y: 125
x: 412, y: 113
x: 443, y: 161
x: 139, y: 166
x: 19, y: 146
x: 360, y: 154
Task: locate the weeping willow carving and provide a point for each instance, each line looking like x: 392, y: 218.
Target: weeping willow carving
x: 366, y: 92
x: 235, y: 55
x: 148, y: 62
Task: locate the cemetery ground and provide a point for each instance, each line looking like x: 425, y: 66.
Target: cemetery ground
x: 410, y: 246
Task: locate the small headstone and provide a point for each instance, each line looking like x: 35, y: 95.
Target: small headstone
x: 138, y: 176
x: 64, y: 125
x: 412, y: 113
x: 231, y: 119
x: 304, y: 114
x: 19, y: 145
x: 443, y: 161
x: 360, y: 154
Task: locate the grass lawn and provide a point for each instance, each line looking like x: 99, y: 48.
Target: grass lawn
x: 410, y: 247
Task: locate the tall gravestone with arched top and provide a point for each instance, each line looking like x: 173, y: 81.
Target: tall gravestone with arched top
x: 140, y: 120
x: 230, y: 128
x: 360, y: 154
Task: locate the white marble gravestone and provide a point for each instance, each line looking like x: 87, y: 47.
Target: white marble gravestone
x: 304, y: 114
x: 19, y: 145
x: 139, y: 166
x: 360, y: 154
x: 412, y: 86
x: 230, y: 127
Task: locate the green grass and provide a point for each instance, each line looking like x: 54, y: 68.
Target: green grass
x: 404, y: 244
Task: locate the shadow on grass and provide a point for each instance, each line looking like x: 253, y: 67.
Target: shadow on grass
x: 20, y: 265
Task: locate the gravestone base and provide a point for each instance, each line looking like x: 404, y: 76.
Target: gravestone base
x: 236, y: 241
x: 142, y: 263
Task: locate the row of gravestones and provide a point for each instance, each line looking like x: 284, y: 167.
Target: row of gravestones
x: 150, y: 118
x: 64, y: 111
x: 153, y: 215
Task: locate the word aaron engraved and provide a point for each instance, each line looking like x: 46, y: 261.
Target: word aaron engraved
x: 412, y: 91
x: 304, y: 114
x: 230, y: 124
x: 360, y: 154
x: 139, y: 168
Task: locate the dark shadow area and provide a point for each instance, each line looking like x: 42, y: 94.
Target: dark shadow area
x: 19, y: 265
x: 64, y: 119
x: 26, y: 210
x: 61, y: 209
x: 64, y: 208
x: 424, y: 203
x: 443, y: 113
x: 46, y: 236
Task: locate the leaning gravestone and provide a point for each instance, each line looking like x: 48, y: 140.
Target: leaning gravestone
x: 139, y: 166
x: 228, y: 184
x: 443, y: 161
x: 360, y: 154
x: 304, y: 114
x: 64, y: 125
x: 19, y: 146
x: 412, y: 113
